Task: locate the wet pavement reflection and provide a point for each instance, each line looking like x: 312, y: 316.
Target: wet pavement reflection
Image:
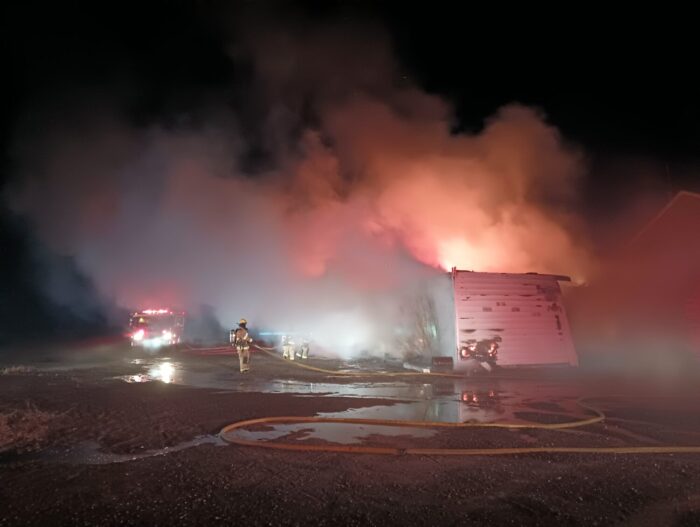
x: 428, y: 399
x: 437, y: 399
x: 344, y: 434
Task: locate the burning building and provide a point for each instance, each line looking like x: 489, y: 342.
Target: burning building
x: 504, y: 319
x: 522, y: 313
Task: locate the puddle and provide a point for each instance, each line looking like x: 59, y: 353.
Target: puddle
x: 442, y: 411
x: 441, y: 400
x: 331, y: 432
x: 434, y: 410
x: 380, y: 390
x: 168, y: 371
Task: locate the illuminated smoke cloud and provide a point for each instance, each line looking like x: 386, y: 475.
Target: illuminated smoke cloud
x: 365, y: 193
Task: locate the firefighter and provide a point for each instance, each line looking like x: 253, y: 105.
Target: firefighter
x: 487, y: 353
x: 468, y: 350
x: 241, y: 340
x: 287, y: 347
x: 303, y: 352
x: 493, y: 349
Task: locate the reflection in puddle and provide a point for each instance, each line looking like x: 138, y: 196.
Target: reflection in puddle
x: 333, y: 432
x: 165, y: 372
x: 466, y: 409
x: 480, y: 400
x: 382, y: 390
x: 162, y: 371
x: 438, y: 410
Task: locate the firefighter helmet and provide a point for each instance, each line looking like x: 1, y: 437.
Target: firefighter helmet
x: 242, y: 322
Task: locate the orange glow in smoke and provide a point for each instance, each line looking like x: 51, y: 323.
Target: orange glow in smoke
x: 456, y: 253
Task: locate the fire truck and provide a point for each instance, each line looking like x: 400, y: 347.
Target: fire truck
x: 156, y: 327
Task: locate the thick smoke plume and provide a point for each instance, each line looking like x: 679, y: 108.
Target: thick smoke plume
x: 363, y: 198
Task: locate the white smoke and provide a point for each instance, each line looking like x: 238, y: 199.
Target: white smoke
x: 369, y: 197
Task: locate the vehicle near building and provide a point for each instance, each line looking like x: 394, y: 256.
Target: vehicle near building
x: 156, y: 327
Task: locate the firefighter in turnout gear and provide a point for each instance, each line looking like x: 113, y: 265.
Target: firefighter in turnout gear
x: 241, y: 340
x: 287, y: 347
x: 303, y: 351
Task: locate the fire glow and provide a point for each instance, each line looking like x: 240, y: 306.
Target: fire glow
x: 375, y: 194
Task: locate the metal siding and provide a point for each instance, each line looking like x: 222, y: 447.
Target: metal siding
x: 522, y: 309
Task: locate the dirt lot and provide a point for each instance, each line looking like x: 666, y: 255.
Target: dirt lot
x: 56, y: 422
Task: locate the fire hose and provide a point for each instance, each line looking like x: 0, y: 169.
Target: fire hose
x: 228, y: 435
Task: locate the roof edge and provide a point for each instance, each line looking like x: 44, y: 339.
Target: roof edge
x: 558, y: 277
x: 661, y: 213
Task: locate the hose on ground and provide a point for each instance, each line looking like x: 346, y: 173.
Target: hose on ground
x: 228, y: 432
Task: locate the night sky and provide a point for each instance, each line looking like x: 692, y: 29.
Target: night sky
x: 623, y: 88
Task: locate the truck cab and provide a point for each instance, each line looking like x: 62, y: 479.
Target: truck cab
x: 155, y: 328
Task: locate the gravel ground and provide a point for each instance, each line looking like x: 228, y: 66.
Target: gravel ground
x: 229, y: 485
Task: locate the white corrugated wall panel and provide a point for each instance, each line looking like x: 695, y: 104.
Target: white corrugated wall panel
x: 525, y: 310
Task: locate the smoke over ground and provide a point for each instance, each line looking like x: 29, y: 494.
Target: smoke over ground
x: 643, y: 308
x: 360, y: 195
